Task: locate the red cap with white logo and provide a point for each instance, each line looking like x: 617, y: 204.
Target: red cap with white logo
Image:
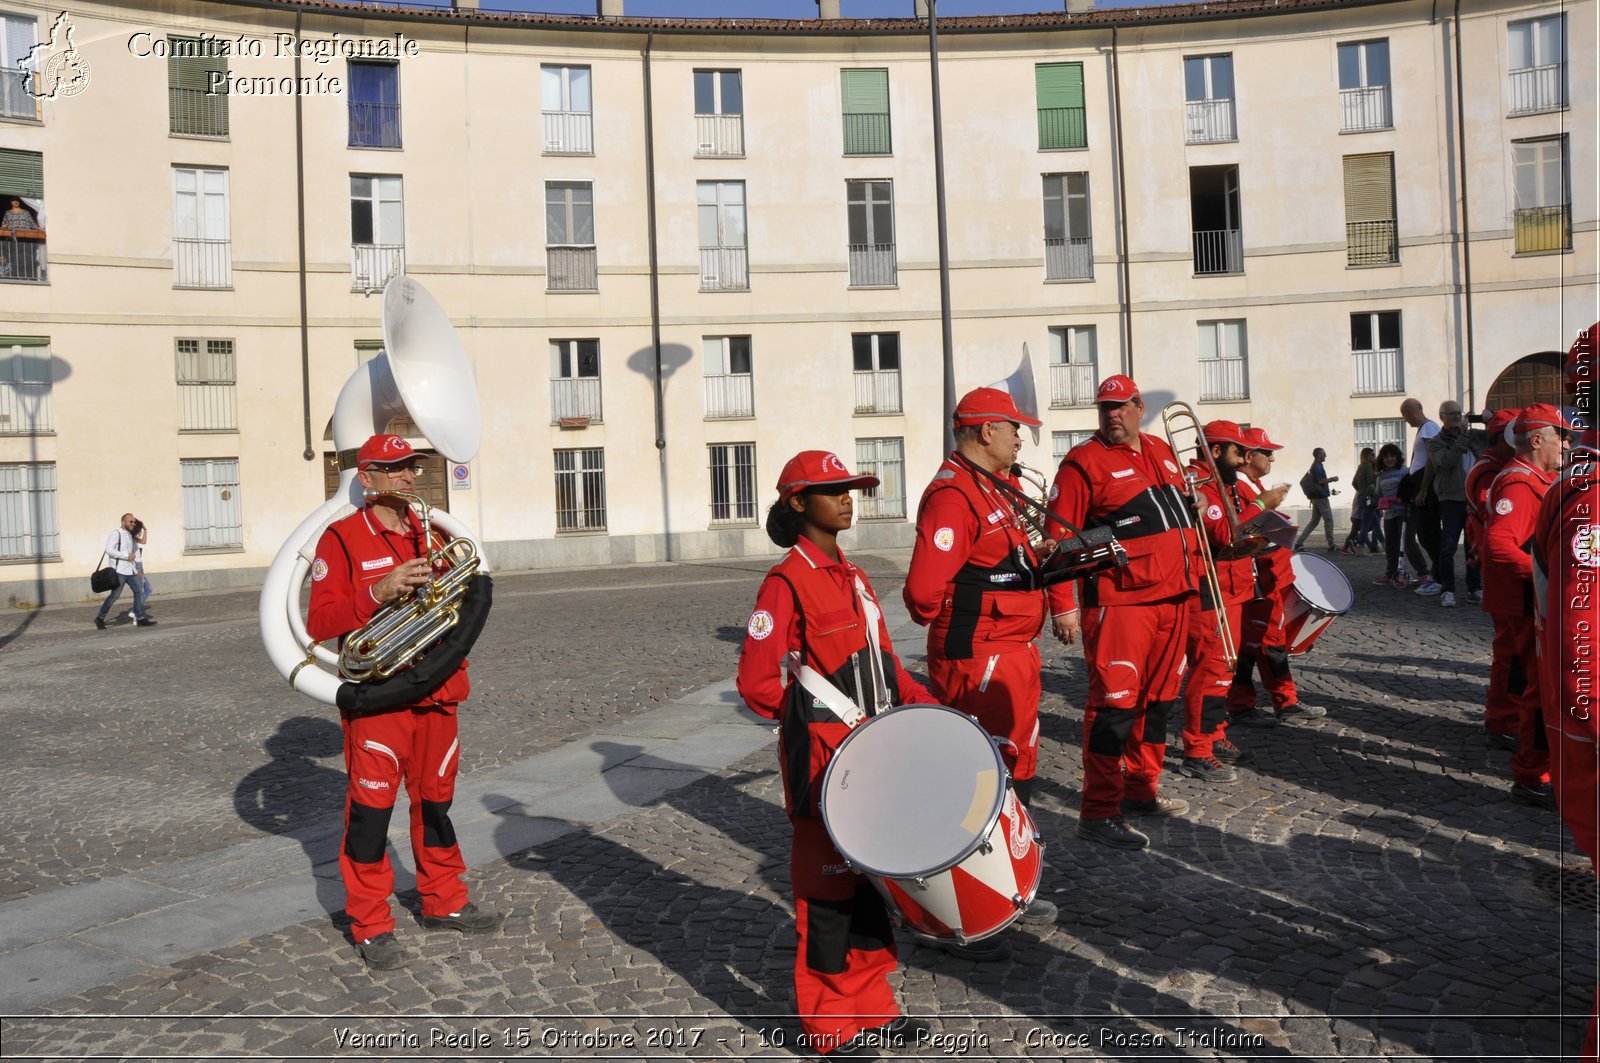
x: 1256, y: 439
x: 1540, y: 415
x: 384, y: 450
x: 985, y: 405
x: 818, y: 468
x: 1224, y: 432
x: 1117, y: 388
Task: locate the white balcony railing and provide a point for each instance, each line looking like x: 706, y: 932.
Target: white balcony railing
x: 719, y: 136
x: 15, y: 99
x: 1365, y: 109
x: 872, y: 266
x: 1068, y: 258
x: 1072, y: 384
x: 1211, y: 122
x: 200, y: 263
x: 373, y: 265
x: 207, y: 406
x: 571, y: 269
x: 1219, y: 251
x: 575, y: 398
x: 568, y: 133
x: 877, y: 391
x: 1378, y: 372
x: 26, y: 409
x: 724, y: 269
x: 1224, y: 380
x: 1539, y: 88
x: 730, y: 395
x: 22, y: 258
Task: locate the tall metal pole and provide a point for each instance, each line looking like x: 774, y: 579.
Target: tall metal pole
x: 944, y: 235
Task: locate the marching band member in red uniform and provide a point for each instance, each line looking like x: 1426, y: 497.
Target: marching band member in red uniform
x: 1133, y: 619
x: 1499, y: 714
x: 363, y: 562
x: 817, y: 609
x: 1514, y: 498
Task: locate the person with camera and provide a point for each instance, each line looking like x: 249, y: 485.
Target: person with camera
x: 122, y: 547
x: 1451, y: 455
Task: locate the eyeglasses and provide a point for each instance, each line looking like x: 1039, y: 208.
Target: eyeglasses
x: 394, y: 470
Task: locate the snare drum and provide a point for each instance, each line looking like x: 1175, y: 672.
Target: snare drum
x: 917, y: 800
x: 1321, y: 593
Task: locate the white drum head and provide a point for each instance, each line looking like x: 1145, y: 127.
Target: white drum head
x: 913, y: 791
x: 1320, y: 582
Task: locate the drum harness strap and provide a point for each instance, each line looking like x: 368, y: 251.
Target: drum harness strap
x: 818, y: 685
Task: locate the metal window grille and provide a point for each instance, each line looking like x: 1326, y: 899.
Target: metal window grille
x: 26, y: 402
x: 1375, y: 349
x: 719, y: 136
x: 1365, y: 109
x: 733, y: 483
x: 1375, y: 432
x: 16, y: 99
x: 1073, y: 363
x: 1062, y: 442
x: 1543, y: 228
x: 207, y: 386
x: 581, y: 489
x: 1219, y: 251
x: 1537, y: 53
x: 885, y: 459
x: 212, y: 516
x: 568, y: 133
x: 202, y: 251
x: 1211, y: 122
x: 28, y: 525
x: 1224, y: 368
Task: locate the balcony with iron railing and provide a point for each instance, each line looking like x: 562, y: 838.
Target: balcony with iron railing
x: 26, y: 409
x: 22, y: 256
x: 198, y: 263
x: 1540, y: 229
x: 571, y: 269
x: 374, y: 265
x: 575, y: 399
x: 1062, y: 127
x: 1210, y: 122
x: 1224, y: 380
x: 1068, y: 258
x: 1072, y: 384
x: 877, y: 391
x: 1539, y: 88
x: 719, y: 136
x: 730, y: 396
x: 1365, y: 109
x: 872, y: 266
x: 16, y: 99
x: 866, y: 134
x: 207, y: 406
x: 1378, y: 372
x: 724, y: 269
x: 374, y: 125
x: 197, y: 113
x: 1218, y: 251
x: 568, y: 133
x: 1371, y: 243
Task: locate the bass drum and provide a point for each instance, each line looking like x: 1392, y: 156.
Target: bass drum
x: 1320, y: 594
x: 917, y: 799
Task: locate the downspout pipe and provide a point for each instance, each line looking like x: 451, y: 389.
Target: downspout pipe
x: 309, y: 454
x: 1470, y: 401
x: 655, y: 294
x: 947, y: 341
x: 1125, y: 300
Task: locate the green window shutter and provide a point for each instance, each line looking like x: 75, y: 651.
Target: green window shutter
x: 192, y: 111
x: 21, y: 173
x: 8, y: 342
x: 865, y: 97
x: 1059, y: 87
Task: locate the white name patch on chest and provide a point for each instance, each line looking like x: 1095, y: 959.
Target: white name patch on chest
x: 381, y: 562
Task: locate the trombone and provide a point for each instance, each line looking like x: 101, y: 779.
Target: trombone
x: 1179, y: 418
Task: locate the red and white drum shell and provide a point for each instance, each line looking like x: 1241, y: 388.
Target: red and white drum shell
x: 1319, y: 595
x: 917, y: 800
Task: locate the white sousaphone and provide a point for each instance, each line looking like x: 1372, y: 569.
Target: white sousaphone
x: 422, y: 373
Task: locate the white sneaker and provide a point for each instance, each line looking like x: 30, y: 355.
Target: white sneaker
x: 1429, y: 588
x: 1447, y: 600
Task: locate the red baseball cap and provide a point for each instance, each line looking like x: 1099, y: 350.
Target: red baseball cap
x: 818, y: 468
x: 1498, y: 420
x: 1256, y: 439
x: 1224, y: 432
x: 1540, y: 415
x: 1117, y: 388
x: 982, y: 405
x: 384, y: 450
x: 1588, y: 439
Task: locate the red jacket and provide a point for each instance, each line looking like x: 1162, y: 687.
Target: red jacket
x: 1567, y: 552
x: 352, y: 556
x: 974, y: 580
x: 1139, y: 495
x: 1514, y: 499
x: 1275, y: 568
x: 1479, y: 477
x: 1236, y: 578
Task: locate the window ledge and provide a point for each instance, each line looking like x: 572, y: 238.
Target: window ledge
x: 880, y: 413
x: 572, y: 291
x: 1374, y: 394
x: 566, y: 533
x: 873, y: 287
x: 570, y: 424
x: 567, y: 154
x: 375, y: 147
x: 724, y: 291
x: 221, y: 138
x: 189, y: 551
x: 1366, y: 129
x: 1542, y: 254
x: 1066, y: 147
x: 18, y: 434
x: 1209, y: 399
x: 24, y: 280
x: 868, y: 155
x: 1230, y: 273
x: 202, y: 287
x: 1076, y: 280
x: 883, y: 519
x: 731, y: 416
x: 36, y: 559
x: 1217, y: 140
x: 1071, y: 406
x: 208, y: 431
x: 1372, y: 265
x: 719, y: 155
x: 1554, y: 109
x: 724, y: 525
x: 17, y: 119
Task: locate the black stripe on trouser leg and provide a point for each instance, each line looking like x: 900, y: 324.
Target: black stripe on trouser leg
x: 366, y: 833
x: 833, y: 928
x: 1277, y: 660
x: 1155, y: 722
x: 1244, y: 668
x: 1213, y: 711
x: 1110, y: 732
x: 437, y: 830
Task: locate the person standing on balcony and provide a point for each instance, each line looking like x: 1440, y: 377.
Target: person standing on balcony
x: 17, y: 217
x: 1315, y: 485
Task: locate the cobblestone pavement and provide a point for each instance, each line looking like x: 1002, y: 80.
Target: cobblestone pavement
x: 1366, y: 890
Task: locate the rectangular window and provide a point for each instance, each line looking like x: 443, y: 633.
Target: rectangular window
x: 1068, y: 250
x: 1062, y: 442
x: 575, y: 382
x: 207, y: 382
x: 202, y: 251
x: 212, y: 517
x: 876, y: 357
x: 19, y: 85
x: 196, y: 104
x: 28, y: 527
x: 26, y: 408
x: 1072, y: 366
x: 733, y: 483
x: 1364, y: 86
x: 885, y: 459
x: 374, y: 104
x: 1376, y: 432
x: 22, y: 238
x: 718, y: 114
x: 1058, y: 87
x: 568, y: 110
x: 1375, y: 346
x: 581, y: 490
x: 1214, y: 211
x: 730, y: 391
x: 377, y: 230
x: 1224, y: 366
x: 1208, y: 96
x: 1537, y: 59
x: 871, y: 233
x: 724, y: 258
x: 571, y: 263
x: 1371, y: 238
x: 865, y: 98
x: 1543, y: 196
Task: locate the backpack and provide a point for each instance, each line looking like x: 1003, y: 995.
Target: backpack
x: 1410, y: 484
x: 1309, y: 486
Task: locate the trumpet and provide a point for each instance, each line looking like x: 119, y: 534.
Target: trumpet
x: 1176, y: 418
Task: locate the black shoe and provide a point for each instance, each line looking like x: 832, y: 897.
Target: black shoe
x: 1253, y: 718
x: 145, y: 621
x: 382, y: 953
x: 1297, y: 712
x: 1039, y: 912
x: 100, y: 622
x: 1206, y: 769
x: 1510, y: 743
x: 469, y: 920
x: 1114, y: 832
x: 987, y: 950
x: 1156, y: 806
x: 1229, y: 753
x: 904, y: 1033
x: 863, y: 1045
x: 1539, y: 794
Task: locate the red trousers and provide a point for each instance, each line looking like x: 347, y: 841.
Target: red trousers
x: 418, y: 746
x: 1500, y: 713
x: 1263, y: 647
x: 1515, y: 644
x: 1002, y: 691
x: 1205, y: 693
x: 845, y: 949
x: 1135, y: 659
